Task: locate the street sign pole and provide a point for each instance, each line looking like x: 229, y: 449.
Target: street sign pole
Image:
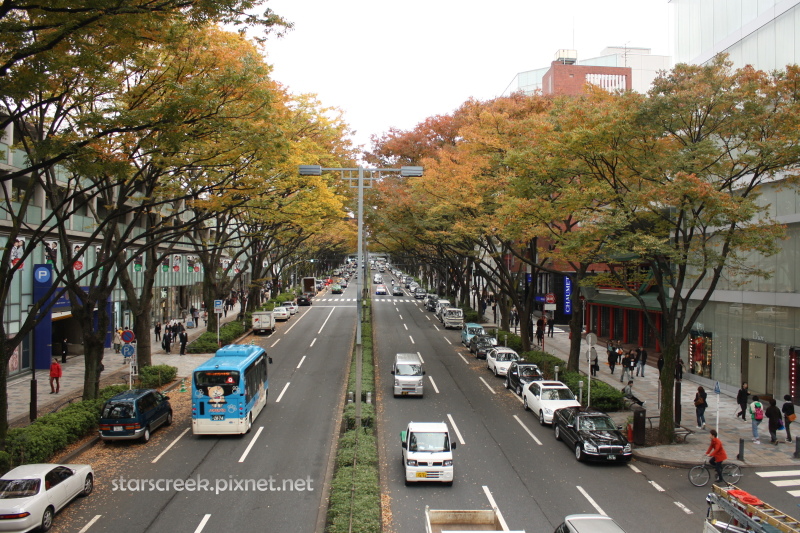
x: 218, y: 311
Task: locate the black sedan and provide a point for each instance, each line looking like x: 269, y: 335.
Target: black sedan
x: 397, y: 290
x: 520, y: 374
x: 304, y: 299
x: 480, y: 345
x: 592, y: 434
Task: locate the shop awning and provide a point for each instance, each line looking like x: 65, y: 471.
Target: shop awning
x: 625, y: 300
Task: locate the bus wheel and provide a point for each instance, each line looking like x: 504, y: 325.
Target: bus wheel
x: 249, y: 422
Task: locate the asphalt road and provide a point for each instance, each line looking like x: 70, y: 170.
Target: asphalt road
x: 503, y: 453
x: 290, y: 444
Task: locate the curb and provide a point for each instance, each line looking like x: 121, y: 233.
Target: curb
x: 91, y: 442
x: 661, y: 461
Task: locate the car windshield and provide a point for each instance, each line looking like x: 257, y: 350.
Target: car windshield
x: 404, y: 369
x: 596, y: 423
x: 18, y: 488
x: 528, y: 371
x: 506, y: 356
x: 557, y: 394
x: 429, y: 442
x: 116, y: 410
x: 475, y: 331
x: 484, y: 342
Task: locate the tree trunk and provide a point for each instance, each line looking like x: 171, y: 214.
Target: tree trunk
x: 576, y: 329
x: 666, y: 426
x: 93, y: 360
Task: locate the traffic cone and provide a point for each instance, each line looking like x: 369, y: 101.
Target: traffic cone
x: 183, y: 385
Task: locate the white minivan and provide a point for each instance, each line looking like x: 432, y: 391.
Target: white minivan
x: 408, y: 374
x: 427, y: 452
x: 441, y: 305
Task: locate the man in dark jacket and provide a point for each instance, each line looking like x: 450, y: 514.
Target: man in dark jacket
x: 183, y: 337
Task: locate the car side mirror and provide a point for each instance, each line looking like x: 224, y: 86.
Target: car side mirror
x: 423, y: 372
x: 404, y: 444
x: 270, y: 360
x: 619, y: 428
x: 453, y: 446
x: 570, y: 426
x: 392, y: 372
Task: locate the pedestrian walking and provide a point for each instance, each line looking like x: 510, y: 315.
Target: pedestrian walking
x: 595, y: 366
x: 700, y: 405
x: 64, y: 350
x: 775, y: 419
x: 717, y: 454
x: 540, y: 335
x: 660, y: 364
x: 55, y: 377
x: 550, y: 326
x: 628, y: 366
x: 612, y: 356
x: 494, y: 311
x: 117, y: 341
x: 183, y: 337
x: 205, y: 318
x: 788, y: 415
x: 756, y: 416
x: 641, y: 360
x: 157, y: 329
x: 679, y: 369
x: 741, y: 399
x: 166, y: 342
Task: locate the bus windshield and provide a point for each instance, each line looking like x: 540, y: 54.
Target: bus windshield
x: 228, y: 380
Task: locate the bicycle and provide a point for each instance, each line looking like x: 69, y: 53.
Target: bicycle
x: 700, y: 474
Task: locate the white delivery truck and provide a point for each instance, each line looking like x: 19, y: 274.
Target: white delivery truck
x: 263, y: 322
x: 427, y: 452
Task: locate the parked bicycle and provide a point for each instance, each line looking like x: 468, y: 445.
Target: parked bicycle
x: 700, y: 474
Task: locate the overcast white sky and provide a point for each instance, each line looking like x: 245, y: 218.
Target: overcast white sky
x: 395, y: 63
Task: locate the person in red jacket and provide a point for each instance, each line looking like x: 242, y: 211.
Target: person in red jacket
x: 717, y: 454
x: 55, y: 376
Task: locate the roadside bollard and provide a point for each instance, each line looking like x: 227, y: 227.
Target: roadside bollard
x: 369, y: 396
x: 796, y: 448
x: 740, y: 455
x: 350, y: 397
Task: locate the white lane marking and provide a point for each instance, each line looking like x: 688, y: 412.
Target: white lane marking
x: 312, y: 342
x: 500, y: 518
x: 634, y: 468
x: 779, y: 473
x: 90, y: 523
x: 326, y: 320
x: 786, y: 482
x: 462, y: 357
x: 794, y: 493
x: 171, y: 444
x: 412, y: 339
x: 405, y: 327
x: 428, y: 317
x: 455, y: 428
x: 295, y: 323
x: 401, y: 316
x: 274, y: 343
x: 398, y: 312
x: 448, y: 340
x: 250, y: 446
x: 658, y: 487
x: 301, y: 361
x: 487, y: 385
x: 594, y: 503
x: 202, y: 523
x: 683, y: 508
x: 437, y: 327
x: 434, y: 384
x: 284, y: 390
x: 421, y: 360
x: 528, y: 431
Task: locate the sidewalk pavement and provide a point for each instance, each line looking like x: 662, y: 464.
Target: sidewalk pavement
x: 730, y: 429
x: 116, y: 371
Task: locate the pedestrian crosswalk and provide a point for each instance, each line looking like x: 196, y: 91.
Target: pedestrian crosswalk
x: 792, y: 481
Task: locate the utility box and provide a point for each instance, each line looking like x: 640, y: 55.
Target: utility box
x: 639, y: 424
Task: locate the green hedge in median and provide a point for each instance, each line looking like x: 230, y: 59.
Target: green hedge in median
x: 152, y: 377
x: 207, y: 342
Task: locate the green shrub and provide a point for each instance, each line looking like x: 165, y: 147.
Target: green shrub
x: 367, y: 415
x: 36, y: 443
x: 366, y: 451
x: 285, y: 297
x: 152, y: 377
x: 470, y: 315
x: 366, y: 504
x: 512, y: 340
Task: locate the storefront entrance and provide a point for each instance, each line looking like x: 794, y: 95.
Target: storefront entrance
x: 758, y: 367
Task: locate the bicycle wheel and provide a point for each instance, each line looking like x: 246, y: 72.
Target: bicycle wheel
x: 731, y: 473
x: 699, y: 476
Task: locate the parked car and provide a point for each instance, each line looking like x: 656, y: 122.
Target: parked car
x: 592, y: 434
x: 134, y: 414
x: 520, y: 374
x: 589, y: 523
x: 380, y: 289
x: 546, y: 397
x: 430, y: 302
x: 343, y: 283
x: 304, y: 299
x: 499, y: 359
x: 480, y: 345
x: 336, y: 289
x: 281, y: 313
x: 292, y: 307
x: 31, y: 495
x: 420, y: 293
x: 469, y: 330
x: 397, y: 290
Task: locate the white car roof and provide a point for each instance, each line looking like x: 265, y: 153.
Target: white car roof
x: 427, y: 426
x: 552, y: 385
x: 33, y: 470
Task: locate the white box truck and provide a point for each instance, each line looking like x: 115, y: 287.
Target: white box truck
x: 263, y: 322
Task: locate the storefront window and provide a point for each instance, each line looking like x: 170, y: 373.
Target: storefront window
x: 633, y: 326
x: 700, y: 353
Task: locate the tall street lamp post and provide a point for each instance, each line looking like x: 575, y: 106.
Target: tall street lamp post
x: 357, y: 174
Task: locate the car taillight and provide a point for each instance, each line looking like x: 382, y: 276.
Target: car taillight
x: 15, y: 516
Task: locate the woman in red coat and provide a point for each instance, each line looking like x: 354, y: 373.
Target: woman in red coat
x: 717, y: 453
x: 55, y: 376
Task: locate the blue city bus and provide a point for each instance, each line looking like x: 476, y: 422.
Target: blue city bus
x: 229, y: 390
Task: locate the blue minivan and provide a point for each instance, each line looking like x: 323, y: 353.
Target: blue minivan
x: 469, y: 330
x: 134, y: 414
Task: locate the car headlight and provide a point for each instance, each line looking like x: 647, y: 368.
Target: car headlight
x: 448, y: 462
x: 627, y: 448
x: 420, y: 383
x: 411, y: 462
x: 589, y: 448
x: 396, y: 383
x: 548, y: 411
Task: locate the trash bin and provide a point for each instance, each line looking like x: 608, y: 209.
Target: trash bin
x: 639, y: 424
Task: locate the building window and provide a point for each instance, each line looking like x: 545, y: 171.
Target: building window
x: 700, y: 353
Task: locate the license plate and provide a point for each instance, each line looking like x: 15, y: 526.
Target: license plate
x: 422, y: 474
x: 117, y: 428
x: 403, y: 393
x: 217, y: 417
x: 612, y: 457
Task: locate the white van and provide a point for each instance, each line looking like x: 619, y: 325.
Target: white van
x: 441, y: 305
x: 453, y: 317
x: 427, y: 452
x: 408, y: 374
